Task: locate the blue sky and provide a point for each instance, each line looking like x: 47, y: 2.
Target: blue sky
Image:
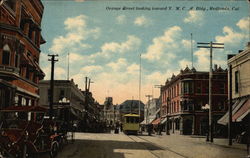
x: 105, y: 44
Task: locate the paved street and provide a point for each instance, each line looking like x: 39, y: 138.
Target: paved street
x: 88, y: 145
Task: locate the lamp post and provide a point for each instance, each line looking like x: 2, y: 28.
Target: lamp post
x: 206, y: 108
x: 64, y: 101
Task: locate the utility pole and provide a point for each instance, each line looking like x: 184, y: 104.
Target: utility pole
x: 230, y: 107
x: 210, y: 45
x: 192, y: 59
x: 53, y: 60
x: 148, y: 96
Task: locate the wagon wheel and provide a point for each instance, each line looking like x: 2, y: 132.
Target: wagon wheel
x: 54, y: 150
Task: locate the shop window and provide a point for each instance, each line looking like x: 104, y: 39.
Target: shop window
x: 6, y: 55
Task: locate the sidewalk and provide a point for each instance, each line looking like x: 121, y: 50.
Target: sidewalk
x: 220, y: 141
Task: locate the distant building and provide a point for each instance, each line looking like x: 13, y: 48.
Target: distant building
x: 20, y: 40
x: 132, y: 106
x: 152, y: 110
x: 67, y: 95
x: 184, y: 95
x: 240, y: 66
x: 93, y: 113
x: 111, y: 111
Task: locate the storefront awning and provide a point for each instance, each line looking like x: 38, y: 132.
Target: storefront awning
x: 235, y: 108
x: 242, y: 112
x: 163, y: 120
x: 156, y: 121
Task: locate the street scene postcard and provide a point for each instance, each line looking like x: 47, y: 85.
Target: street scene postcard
x: 124, y: 79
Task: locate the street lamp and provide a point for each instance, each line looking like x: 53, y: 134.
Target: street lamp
x: 65, y: 101
x: 206, y: 108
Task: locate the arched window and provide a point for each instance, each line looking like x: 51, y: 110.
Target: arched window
x: 6, y: 55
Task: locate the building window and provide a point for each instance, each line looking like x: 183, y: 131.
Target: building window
x: 187, y: 87
x: 236, y: 81
x: 16, y: 60
x: 222, y: 88
x: 198, y: 89
x: 27, y: 73
x: 11, y: 4
x: 6, y: 55
x: 61, y: 94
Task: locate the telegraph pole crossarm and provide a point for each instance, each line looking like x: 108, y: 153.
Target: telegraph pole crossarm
x: 210, y: 45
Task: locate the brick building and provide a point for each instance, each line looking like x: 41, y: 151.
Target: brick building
x: 184, y: 95
x: 20, y: 40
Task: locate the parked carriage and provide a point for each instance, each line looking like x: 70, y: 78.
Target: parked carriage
x: 131, y: 123
x: 21, y: 138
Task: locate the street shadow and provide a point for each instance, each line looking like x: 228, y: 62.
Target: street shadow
x: 111, y: 148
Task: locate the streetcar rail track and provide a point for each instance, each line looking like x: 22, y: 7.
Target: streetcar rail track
x: 161, y: 147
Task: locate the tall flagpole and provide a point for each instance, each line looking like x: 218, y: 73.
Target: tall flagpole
x: 68, y: 68
x: 192, y: 60
x: 140, y: 89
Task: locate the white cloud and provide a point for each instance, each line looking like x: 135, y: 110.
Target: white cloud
x: 230, y: 37
x: 194, y: 17
x: 184, y: 63
x: 142, y: 21
x: 163, y: 44
x: 74, y: 57
x: 132, y: 43
x: 156, y: 77
x: 76, y: 22
x: 121, y: 19
x: 244, y: 23
x: 202, y: 56
x: 60, y: 73
x: 119, y: 64
x: 92, y: 68
x: 133, y: 69
x: 77, y: 33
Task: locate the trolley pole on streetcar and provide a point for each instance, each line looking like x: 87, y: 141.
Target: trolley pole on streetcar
x: 210, y: 45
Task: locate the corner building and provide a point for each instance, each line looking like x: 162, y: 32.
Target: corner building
x: 183, y: 97
x: 20, y: 40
